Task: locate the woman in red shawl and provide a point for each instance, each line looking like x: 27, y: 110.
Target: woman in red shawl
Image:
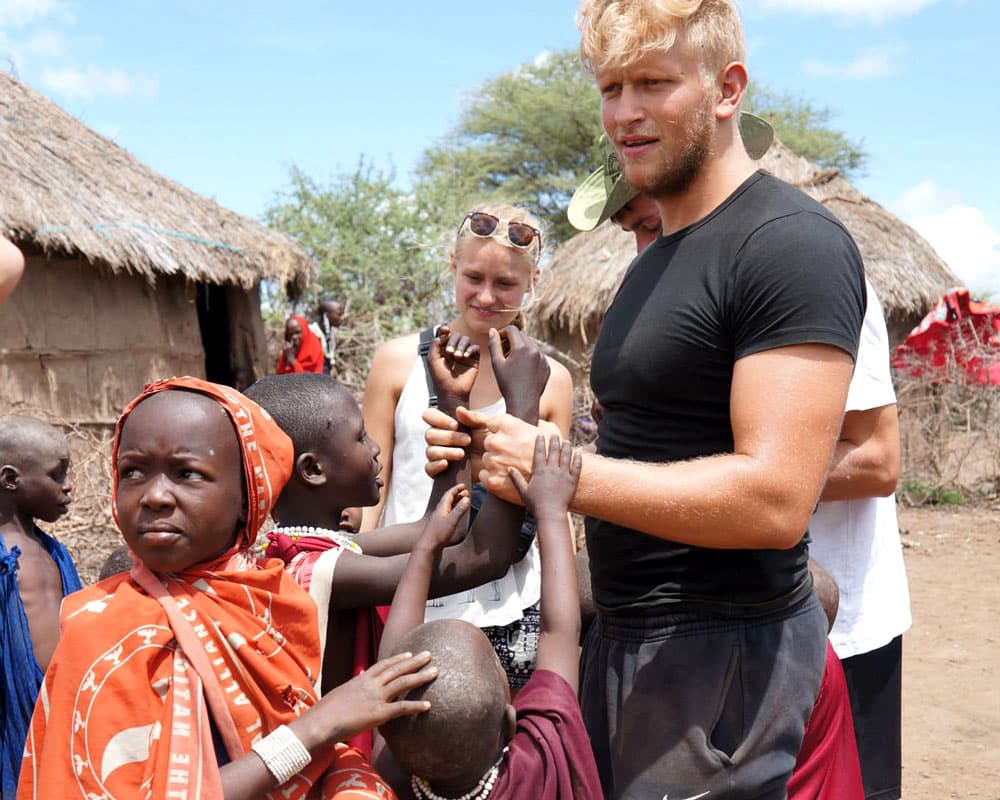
x: 168, y: 676
x: 303, y: 350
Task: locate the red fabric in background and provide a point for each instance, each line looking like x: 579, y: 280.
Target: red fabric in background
x: 827, y: 767
x: 309, y: 356
x: 958, y: 332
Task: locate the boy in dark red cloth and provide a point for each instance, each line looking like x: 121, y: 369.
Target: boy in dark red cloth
x: 472, y: 743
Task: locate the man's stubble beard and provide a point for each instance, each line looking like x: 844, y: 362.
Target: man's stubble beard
x: 676, y: 175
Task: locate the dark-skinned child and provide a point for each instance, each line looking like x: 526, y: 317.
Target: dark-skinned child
x: 36, y: 573
x: 192, y: 674
x: 473, y: 743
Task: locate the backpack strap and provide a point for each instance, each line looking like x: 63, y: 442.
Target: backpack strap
x: 424, y: 348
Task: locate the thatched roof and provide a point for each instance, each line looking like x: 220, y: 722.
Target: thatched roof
x: 67, y: 189
x: 906, y: 272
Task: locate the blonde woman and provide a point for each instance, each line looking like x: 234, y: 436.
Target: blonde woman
x: 494, y: 264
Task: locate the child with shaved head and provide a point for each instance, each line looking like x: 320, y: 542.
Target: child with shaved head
x: 473, y: 743
x: 36, y: 572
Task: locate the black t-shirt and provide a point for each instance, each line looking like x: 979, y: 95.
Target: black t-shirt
x: 769, y: 267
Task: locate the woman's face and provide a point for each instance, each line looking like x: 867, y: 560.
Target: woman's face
x: 491, y: 281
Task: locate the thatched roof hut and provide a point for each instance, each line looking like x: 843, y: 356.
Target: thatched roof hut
x: 129, y: 276
x: 905, y: 271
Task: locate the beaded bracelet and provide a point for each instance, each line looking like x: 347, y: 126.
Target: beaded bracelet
x: 283, y: 754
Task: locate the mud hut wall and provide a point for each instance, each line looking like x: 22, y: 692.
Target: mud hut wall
x: 247, y: 337
x: 78, y: 341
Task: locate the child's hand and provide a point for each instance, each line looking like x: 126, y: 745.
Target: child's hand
x: 553, y: 480
x: 369, y: 699
x: 521, y: 371
x: 443, y: 523
x: 454, y: 365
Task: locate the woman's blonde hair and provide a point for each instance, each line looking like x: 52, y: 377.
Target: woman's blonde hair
x: 616, y: 33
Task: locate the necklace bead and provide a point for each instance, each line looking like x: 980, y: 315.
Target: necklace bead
x: 422, y: 789
x: 345, y: 540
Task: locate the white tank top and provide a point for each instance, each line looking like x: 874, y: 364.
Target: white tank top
x: 498, y: 602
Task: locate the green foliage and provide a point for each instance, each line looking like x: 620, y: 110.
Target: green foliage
x: 528, y: 136
x: 918, y: 494
x: 806, y: 130
x: 372, y: 243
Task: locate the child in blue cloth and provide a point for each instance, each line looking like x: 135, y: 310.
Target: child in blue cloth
x: 36, y: 572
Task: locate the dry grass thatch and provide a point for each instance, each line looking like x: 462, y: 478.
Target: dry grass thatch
x: 67, y: 189
x: 906, y: 272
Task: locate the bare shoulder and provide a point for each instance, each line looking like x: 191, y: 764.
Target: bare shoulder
x: 392, y: 360
x: 559, y: 387
x: 397, y: 353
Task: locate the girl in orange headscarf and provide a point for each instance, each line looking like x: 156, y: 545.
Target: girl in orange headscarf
x: 192, y: 675
x: 303, y: 350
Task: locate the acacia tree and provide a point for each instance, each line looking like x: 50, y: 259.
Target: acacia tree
x: 527, y: 136
x: 374, y: 245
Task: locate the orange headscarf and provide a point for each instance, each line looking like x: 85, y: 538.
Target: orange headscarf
x: 146, y: 660
x: 309, y: 356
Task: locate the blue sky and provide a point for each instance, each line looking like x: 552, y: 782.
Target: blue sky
x: 224, y: 97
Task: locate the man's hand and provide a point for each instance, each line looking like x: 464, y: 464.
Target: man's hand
x: 510, y: 444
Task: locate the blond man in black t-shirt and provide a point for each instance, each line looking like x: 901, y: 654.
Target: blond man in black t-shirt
x: 723, y: 366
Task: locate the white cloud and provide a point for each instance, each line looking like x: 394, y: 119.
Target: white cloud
x: 874, y: 10
x: 868, y: 65
x: 18, y: 13
x: 91, y: 81
x: 960, y: 233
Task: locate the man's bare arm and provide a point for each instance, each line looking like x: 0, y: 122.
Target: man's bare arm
x: 787, y: 408
x: 866, y: 458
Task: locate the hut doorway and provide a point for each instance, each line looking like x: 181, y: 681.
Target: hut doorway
x: 213, y: 321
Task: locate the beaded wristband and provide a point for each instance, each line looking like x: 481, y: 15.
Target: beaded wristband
x: 283, y: 754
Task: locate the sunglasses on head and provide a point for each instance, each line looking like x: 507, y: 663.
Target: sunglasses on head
x: 519, y: 234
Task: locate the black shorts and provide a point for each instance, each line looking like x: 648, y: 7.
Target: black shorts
x: 680, y: 702
x: 874, y: 682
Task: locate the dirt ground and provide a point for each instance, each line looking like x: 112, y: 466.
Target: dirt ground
x: 951, y: 655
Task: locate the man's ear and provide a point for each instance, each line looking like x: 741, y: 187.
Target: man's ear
x: 732, y: 87
x: 309, y: 470
x: 8, y: 477
x: 509, y: 722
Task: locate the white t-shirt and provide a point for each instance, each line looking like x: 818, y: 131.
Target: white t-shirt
x: 857, y: 541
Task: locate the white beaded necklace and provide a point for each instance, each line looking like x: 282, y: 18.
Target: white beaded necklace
x: 345, y: 540
x: 422, y: 789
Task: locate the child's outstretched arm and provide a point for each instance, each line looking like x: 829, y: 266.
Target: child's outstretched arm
x: 521, y: 372
x: 453, y: 363
x: 547, y: 495
x: 410, y: 599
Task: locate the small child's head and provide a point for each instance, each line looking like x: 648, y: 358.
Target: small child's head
x: 336, y: 464
x: 34, y: 460
x: 119, y: 560
x: 197, y: 467
x: 470, y: 719
x: 332, y: 309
